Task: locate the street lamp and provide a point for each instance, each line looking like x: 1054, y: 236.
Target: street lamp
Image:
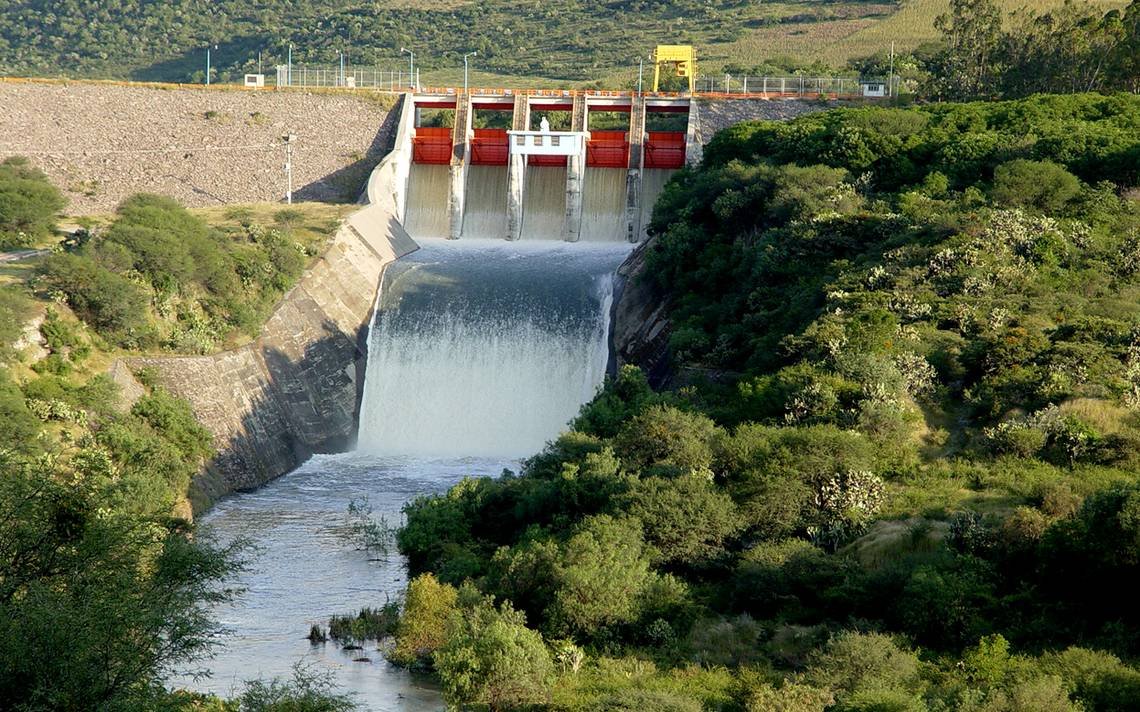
x: 289, y: 140
x: 469, y: 54
x: 208, y: 64
x: 411, y: 65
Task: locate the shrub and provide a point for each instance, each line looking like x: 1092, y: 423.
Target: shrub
x: 853, y: 662
x: 28, y: 204
x: 602, y: 570
x: 491, y: 658
x: 637, y: 700
x: 666, y: 441
x: 1041, y: 185
x: 686, y: 519
x: 422, y: 628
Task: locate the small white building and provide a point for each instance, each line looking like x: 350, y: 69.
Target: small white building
x: 255, y: 80
x: 873, y: 88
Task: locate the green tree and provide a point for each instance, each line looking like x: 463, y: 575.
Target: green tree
x: 428, y: 605
x: 96, y: 606
x: 492, y: 659
x: 602, y: 570
x: 686, y: 519
x: 972, y: 31
x: 29, y: 204
x: 1041, y: 185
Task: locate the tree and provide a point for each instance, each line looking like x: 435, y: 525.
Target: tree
x: 491, y: 658
x: 603, y: 568
x: 28, y: 204
x: 686, y: 519
x: 972, y: 31
x: 667, y: 441
x: 1041, y: 185
x: 96, y: 605
x: 428, y: 604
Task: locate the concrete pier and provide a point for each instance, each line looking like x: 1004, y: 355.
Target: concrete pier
x: 460, y: 160
x: 575, y: 167
x: 516, y: 171
x: 636, y: 166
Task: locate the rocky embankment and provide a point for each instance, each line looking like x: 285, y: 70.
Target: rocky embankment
x: 718, y: 114
x: 640, y: 333
x: 102, y: 142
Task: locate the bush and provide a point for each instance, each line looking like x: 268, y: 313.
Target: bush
x: 491, y: 658
x: 686, y: 519
x: 602, y: 569
x: 28, y: 204
x: 422, y: 629
x: 853, y: 662
x: 668, y: 442
x: 637, y: 700
x: 1041, y: 185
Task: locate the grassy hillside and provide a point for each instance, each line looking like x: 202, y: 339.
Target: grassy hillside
x: 519, y: 41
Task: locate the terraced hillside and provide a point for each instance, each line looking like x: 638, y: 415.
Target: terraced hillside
x: 518, y: 41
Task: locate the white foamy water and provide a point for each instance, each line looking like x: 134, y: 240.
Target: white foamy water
x: 486, y: 347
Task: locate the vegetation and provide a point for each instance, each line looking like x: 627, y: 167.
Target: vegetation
x: 105, y: 588
x: 159, y: 276
x: 28, y: 204
x: 909, y: 483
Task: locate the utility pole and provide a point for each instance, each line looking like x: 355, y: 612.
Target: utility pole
x: 341, y: 81
x: 207, y: 65
x: 640, y: 69
x: 288, y: 139
x: 891, y: 78
x: 469, y: 54
x: 259, y: 61
x: 411, y: 64
x: 289, y: 70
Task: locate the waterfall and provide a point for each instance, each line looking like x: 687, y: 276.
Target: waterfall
x: 486, y: 347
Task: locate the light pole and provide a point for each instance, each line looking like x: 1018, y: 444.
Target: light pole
x: 411, y: 65
x: 289, y: 139
x: 469, y: 54
x: 341, y: 53
x: 640, y: 68
x: 208, y: 64
x: 289, y: 70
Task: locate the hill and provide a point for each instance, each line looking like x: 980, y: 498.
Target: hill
x: 561, y: 41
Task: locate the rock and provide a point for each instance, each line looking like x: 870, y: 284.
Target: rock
x: 640, y: 322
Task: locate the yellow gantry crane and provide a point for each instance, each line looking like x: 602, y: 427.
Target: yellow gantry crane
x: 682, y: 59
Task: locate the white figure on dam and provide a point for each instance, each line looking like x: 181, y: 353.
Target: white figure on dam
x: 544, y: 125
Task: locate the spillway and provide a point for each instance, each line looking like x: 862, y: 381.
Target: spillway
x: 486, y: 213
x: 603, y: 201
x: 544, y: 203
x: 428, y: 188
x: 480, y: 352
x: 486, y: 347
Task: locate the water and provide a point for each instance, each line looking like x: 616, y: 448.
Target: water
x: 482, y: 350
x: 486, y: 347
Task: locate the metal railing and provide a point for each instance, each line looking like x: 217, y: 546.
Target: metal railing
x: 786, y: 85
x: 304, y: 75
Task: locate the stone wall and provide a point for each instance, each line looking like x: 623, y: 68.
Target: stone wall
x: 296, y: 390
x: 718, y: 114
x: 101, y: 142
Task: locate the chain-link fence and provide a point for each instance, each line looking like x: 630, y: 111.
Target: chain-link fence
x: 302, y: 75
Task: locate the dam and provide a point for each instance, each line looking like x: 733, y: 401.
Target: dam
x: 490, y: 330
x: 485, y: 166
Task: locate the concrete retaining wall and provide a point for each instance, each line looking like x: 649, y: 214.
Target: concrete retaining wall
x: 296, y: 390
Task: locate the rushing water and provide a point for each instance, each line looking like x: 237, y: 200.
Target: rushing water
x: 481, y: 351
